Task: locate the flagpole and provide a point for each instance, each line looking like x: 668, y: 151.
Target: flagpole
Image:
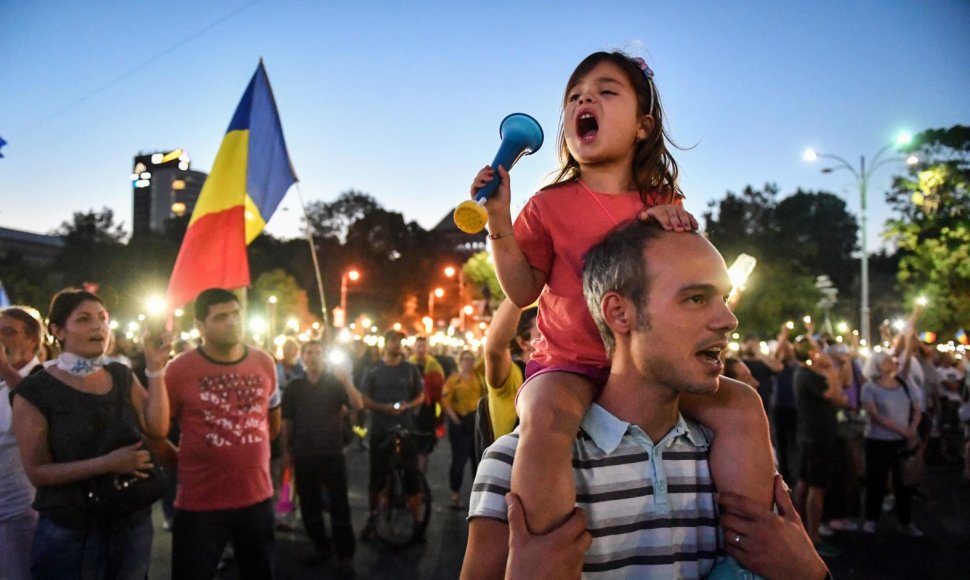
x: 313, y: 255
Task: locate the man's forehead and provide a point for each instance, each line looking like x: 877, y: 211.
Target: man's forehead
x: 224, y: 307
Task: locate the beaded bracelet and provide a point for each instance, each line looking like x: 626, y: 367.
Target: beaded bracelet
x: 499, y: 236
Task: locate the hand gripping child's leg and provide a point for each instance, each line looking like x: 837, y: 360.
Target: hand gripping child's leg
x: 550, y: 407
x: 741, y: 458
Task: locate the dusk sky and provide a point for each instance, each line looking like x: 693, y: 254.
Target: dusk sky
x: 402, y: 100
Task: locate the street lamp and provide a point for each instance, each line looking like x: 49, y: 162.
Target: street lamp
x: 271, y: 307
x: 862, y: 175
x: 450, y: 271
x: 436, y: 293
x: 353, y: 276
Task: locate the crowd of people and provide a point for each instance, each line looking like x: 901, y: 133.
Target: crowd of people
x: 845, y: 426
x: 596, y: 428
x: 846, y: 419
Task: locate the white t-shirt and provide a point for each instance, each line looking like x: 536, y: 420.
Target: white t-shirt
x: 16, y: 492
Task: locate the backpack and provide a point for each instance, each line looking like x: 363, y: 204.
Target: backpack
x: 484, y: 435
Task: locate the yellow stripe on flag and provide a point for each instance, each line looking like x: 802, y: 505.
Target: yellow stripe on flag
x: 225, y: 187
x: 254, y: 221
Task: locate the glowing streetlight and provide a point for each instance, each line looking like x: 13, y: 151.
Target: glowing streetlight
x: 450, y: 272
x: 353, y: 276
x: 436, y: 293
x: 271, y: 308
x: 862, y: 175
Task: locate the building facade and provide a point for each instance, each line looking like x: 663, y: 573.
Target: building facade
x: 163, y: 186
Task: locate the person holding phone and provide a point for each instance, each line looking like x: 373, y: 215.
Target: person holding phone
x: 392, y: 389
x: 59, y: 416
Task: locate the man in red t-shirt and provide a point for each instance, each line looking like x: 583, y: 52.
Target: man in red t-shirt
x: 224, y: 396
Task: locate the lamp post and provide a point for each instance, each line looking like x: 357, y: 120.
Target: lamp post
x: 353, y: 276
x: 436, y: 293
x: 862, y: 175
x: 271, y: 308
x: 450, y: 272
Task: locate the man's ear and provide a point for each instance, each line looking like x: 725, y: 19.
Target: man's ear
x: 618, y: 313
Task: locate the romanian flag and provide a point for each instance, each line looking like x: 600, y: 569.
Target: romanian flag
x: 249, y: 178
x: 962, y: 337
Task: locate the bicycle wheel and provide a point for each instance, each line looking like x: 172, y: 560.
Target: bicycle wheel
x: 424, y: 502
x: 395, y: 524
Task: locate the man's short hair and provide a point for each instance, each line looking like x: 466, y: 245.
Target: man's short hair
x: 523, y: 329
x: 30, y: 322
x: 618, y: 264
x: 802, y: 348
x: 207, y: 298
x: 392, y: 335
x: 314, y: 342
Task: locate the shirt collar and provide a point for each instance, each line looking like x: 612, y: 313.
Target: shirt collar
x: 25, y: 370
x: 606, y: 430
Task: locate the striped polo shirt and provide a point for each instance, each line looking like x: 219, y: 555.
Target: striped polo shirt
x: 650, y: 507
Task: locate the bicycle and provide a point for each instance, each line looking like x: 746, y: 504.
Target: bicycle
x: 395, y: 524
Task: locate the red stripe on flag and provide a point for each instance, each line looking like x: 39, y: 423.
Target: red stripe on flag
x: 213, y: 255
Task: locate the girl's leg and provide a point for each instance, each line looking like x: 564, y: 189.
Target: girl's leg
x: 550, y: 408
x: 741, y: 458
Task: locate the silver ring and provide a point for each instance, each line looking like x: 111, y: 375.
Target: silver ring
x: 737, y: 539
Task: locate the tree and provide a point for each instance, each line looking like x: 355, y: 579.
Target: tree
x: 743, y: 223
x: 795, y: 239
x: 334, y: 219
x: 291, y: 299
x: 480, y: 279
x: 93, y: 244
x: 932, y: 230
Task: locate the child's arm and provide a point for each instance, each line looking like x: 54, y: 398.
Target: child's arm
x: 520, y: 281
x: 498, y: 357
x: 671, y: 217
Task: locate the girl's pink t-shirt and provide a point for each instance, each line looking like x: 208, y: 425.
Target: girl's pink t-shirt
x: 555, y: 229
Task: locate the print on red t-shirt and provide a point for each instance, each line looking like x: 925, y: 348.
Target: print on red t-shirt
x: 223, y: 413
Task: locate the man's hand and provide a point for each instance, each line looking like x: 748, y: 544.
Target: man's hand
x: 556, y: 555
x: 769, y: 544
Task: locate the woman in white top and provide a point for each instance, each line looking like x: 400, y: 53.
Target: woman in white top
x: 894, y: 418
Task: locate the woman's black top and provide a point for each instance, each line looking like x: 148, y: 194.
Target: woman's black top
x: 75, y: 424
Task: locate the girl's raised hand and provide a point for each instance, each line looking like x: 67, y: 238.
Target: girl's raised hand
x: 500, y: 201
x: 670, y: 217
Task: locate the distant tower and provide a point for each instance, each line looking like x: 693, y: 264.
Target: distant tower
x: 163, y: 187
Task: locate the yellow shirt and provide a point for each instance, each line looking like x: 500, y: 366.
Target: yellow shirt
x: 501, y: 402
x: 461, y: 395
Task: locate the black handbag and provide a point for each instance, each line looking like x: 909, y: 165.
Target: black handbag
x: 116, y: 495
